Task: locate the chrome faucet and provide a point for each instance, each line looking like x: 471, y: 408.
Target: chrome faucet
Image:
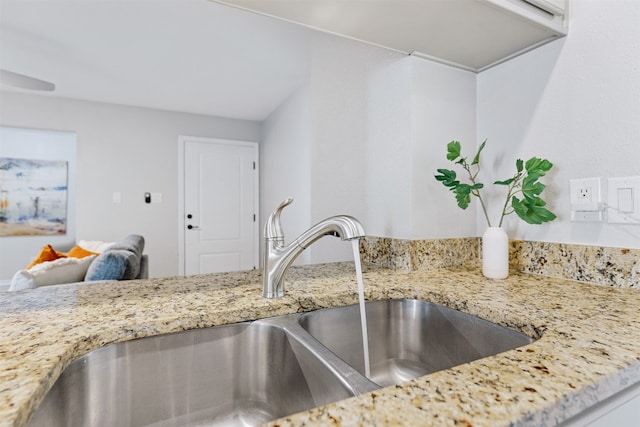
x: 278, y: 257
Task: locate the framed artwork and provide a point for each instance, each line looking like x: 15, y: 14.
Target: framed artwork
x: 33, y: 197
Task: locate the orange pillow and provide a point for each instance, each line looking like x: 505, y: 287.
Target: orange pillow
x: 47, y: 253
x: 79, y: 252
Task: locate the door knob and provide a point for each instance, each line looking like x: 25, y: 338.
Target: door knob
x: 189, y: 216
x: 191, y: 227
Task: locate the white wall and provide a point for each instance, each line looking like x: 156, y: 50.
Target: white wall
x: 125, y: 149
x: 443, y: 109
x: 285, y: 163
x: 576, y: 102
x: 360, y: 103
x: 386, y: 149
x: 317, y: 146
x: 379, y: 124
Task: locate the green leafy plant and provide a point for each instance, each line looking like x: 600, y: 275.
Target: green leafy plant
x: 523, y: 188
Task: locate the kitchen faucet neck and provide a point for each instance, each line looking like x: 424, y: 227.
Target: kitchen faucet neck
x: 278, y: 257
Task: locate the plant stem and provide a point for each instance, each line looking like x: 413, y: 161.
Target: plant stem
x: 476, y: 193
x: 504, y: 208
x: 484, y: 209
x: 510, y: 193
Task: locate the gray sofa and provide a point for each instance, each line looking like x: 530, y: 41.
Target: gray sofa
x: 123, y: 260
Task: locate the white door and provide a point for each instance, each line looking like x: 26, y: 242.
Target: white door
x: 220, y: 205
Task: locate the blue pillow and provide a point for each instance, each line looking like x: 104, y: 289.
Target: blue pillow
x: 113, y: 264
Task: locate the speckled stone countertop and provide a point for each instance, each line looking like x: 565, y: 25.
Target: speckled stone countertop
x: 588, y: 346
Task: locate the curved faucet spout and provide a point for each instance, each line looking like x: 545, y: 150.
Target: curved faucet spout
x: 344, y: 226
x: 278, y: 257
x: 272, y: 228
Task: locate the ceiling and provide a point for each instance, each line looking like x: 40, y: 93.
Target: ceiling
x: 469, y: 34
x: 192, y: 56
x: 204, y: 57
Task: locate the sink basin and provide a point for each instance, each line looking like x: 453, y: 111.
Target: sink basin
x: 408, y: 338
x: 249, y: 373
x: 241, y: 374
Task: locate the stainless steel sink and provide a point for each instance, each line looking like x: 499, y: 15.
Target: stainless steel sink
x: 408, y: 338
x: 241, y: 374
x: 249, y: 373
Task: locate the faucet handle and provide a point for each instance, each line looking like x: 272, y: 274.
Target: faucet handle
x: 272, y: 228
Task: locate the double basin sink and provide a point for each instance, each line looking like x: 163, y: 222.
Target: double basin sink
x: 254, y: 372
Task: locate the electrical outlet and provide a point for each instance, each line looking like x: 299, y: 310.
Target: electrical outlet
x: 586, y: 199
x: 584, y: 193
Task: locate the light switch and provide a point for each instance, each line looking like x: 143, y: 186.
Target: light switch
x: 116, y: 197
x: 625, y: 200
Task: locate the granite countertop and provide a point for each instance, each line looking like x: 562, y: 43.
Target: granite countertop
x: 588, y: 346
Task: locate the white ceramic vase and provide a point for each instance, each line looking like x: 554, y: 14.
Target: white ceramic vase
x: 495, y: 253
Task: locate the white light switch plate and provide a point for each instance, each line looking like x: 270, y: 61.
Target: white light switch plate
x: 624, y: 200
x: 156, y: 197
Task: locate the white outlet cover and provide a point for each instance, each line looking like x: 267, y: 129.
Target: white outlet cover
x: 624, y: 211
x: 594, y: 187
x: 586, y: 209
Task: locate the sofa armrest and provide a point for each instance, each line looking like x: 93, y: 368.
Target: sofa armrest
x: 144, y: 267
